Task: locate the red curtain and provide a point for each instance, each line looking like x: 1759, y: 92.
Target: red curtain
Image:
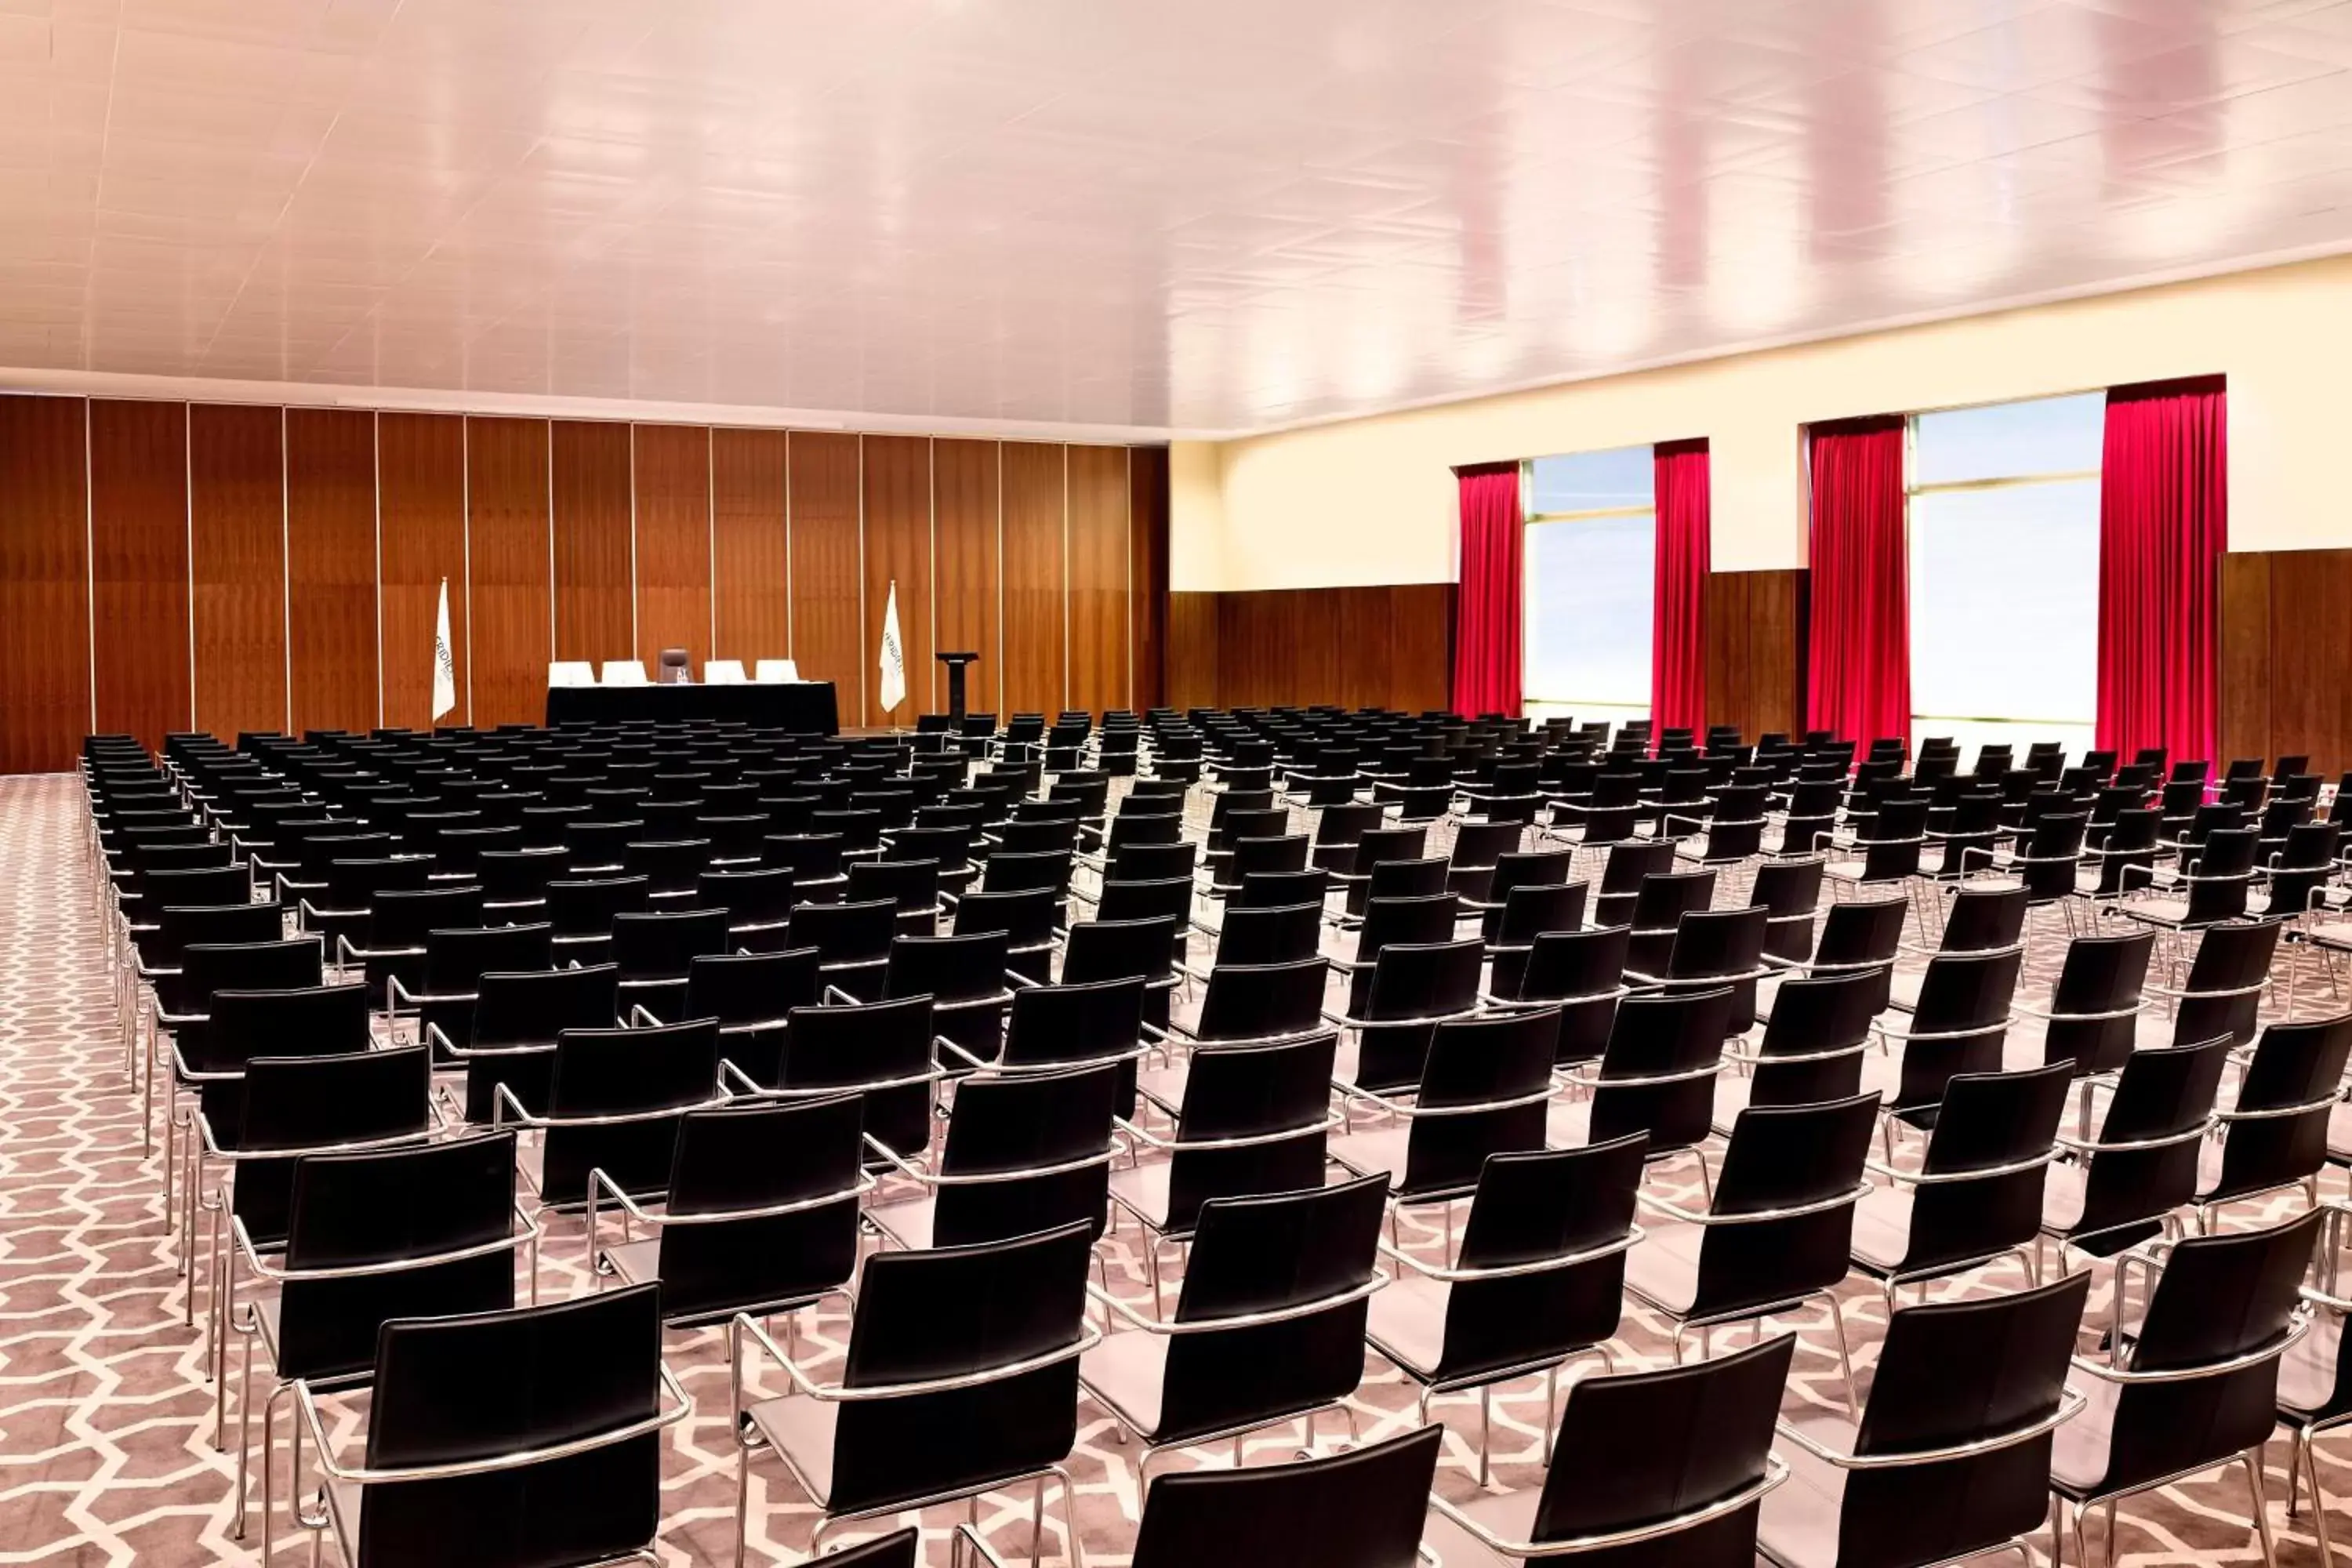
x: 2164, y: 521
x: 1678, y: 625
x: 1487, y: 620
x: 1858, y: 682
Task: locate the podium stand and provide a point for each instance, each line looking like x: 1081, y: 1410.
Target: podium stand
x: 956, y: 663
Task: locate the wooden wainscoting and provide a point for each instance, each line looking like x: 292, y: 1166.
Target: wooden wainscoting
x: 243, y: 566
x: 1388, y: 646
x: 2286, y: 675
x: 1756, y: 651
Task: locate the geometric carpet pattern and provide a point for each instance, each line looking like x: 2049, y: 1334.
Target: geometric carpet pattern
x: 106, y: 1450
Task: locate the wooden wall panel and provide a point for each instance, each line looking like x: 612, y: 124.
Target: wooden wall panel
x: 966, y: 575
x: 1383, y: 647
x: 1100, y: 631
x: 828, y: 642
x: 897, y: 475
x: 2243, y: 697
x: 1146, y: 518
x: 589, y: 472
x: 421, y: 499
x: 253, y: 567
x: 506, y: 505
x: 671, y: 473
x: 45, y: 579
x: 1035, y: 614
x: 2310, y: 659
x: 139, y: 567
x: 1754, y: 631
x: 330, y: 569
x: 1192, y: 650
x: 751, y: 589
x: 236, y: 551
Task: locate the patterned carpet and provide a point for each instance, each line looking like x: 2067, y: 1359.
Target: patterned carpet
x: 106, y: 1452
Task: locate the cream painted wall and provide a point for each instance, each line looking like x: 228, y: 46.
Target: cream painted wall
x: 1371, y: 500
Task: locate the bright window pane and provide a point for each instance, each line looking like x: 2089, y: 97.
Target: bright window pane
x: 1589, y: 610
x: 1594, y: 481
x: 2005, y: 608
x: 2010, y: 440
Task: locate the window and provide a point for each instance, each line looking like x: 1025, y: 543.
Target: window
x: 2004, y: 533
x: 1590, y: 560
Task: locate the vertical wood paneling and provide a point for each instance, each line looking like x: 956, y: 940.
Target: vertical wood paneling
x: 2242, y: 698
x: 1036, y: 629
x: 751, y: 588
x: 1147, y: 522
x: 139, y: 561
x: 1754, y: 642
x: 594, y: 577
x: 330, y: 568
x: 45, y: 667
x: 898, y: 479
x: 1191, y: 656
x: 672, y: 476
x: 2311, y: 604
x: 507, y: 529
x: 1099, y: 549
x: 966, y: 575
x: 236, y: 549
x: 421, y: 494
x: 300, y: 554
x: 827, y: 642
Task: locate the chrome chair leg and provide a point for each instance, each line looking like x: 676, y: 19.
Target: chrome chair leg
x: 2253, y: 1462
x: 1845, y: 1356
x: 2318, y: 1498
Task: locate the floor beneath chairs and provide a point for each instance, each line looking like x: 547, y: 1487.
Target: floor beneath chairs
x: 106, y: 1450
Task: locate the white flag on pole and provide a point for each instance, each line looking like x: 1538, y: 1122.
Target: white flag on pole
x: 445, y: 663
x: 893, y: 658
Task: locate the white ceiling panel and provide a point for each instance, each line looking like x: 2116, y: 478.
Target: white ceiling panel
x: 1224, y: 216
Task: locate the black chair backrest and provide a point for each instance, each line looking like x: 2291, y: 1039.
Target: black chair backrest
x: 1279, y: 935
x: 664, y: 945
x: 1646, y: 1446
x: 457, y: 959
x: 1074, y: 1022
x: 2219, y: 1298
x: 2016, y: 1349
x: 882, y: 1050
x: 617, y: 1073
x: 2291, y: 1085
x: 1276, y: 1095
x: 282, y: 965
x: 1119, y: 950
x: 309, y: 1102
x: 380, y: 1207
x: 1049, y: 1133
x: 1677, y: 1039
x: 1266, y: 1254
x: 2225, y: 981
x: 1251, y: 1002
x: 1821, y: 1020
x: 301, y: 1021
x: 1492, y: 1073
x: 1785, y: 1157
x: 746, y: 988
x: 751, y: 1155
x: 1014, y: 1301
x: 2163, y: 1100
x: 2096, y: 999
x: 1360, y: 1509
x: 1981, y: 919
x: 458, y: 1388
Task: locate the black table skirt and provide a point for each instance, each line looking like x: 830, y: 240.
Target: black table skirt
x: 805, y: 707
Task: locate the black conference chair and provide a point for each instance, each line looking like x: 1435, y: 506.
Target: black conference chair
x: 1268, y: 1326
x: 1360, y: 1509
x: 759, y: 1216
x: 961, y: 1378
x: 1939, y: 1467
x: 507, y: 1439
x: 1538, y: 1281
x: 1666, y: 1467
